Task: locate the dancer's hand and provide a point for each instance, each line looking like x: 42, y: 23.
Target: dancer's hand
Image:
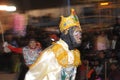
x: 5, y: 44
x: 6, y: 49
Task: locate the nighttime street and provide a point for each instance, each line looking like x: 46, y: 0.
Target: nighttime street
x: 59, y: 39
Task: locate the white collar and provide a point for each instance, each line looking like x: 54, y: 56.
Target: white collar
x: 64, y: 44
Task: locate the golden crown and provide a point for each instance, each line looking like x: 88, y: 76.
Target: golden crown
x: 70, y: 21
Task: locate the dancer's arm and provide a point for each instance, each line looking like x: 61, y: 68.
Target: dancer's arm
x: 14, y: 49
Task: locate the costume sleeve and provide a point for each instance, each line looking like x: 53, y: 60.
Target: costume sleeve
x: 45, y: 68
x: 14, y: 49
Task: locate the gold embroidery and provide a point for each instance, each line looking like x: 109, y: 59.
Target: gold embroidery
x: 77, y: 60
x: 62, y: 55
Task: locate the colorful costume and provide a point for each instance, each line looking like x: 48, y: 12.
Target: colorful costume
x: 30, y: 55
x: 57, y: 62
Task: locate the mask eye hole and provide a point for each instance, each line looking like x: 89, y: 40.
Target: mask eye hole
x: 77, y: 33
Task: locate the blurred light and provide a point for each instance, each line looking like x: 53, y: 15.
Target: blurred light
x: 7, y: 8
x: 104, y: 4
x: 11, y: 8
x: 53, y: 39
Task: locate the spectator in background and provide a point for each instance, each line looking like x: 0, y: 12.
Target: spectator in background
x: 114, y: 72
x: 116, y: 27
x: 10, y: 56
x: 82, y: 70
x: 102, y: 64
x: 29, y: 52
x: 113, y: 42
x: 102, y: 42
x: 116, y: 31
x: 11, y: 39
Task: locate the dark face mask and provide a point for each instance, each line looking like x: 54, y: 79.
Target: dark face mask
x: 72, y: 38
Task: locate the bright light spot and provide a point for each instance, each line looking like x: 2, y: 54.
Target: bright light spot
x: 3, y: 7
x: 11, y: 8
x: 7, y: 8
x: 53, y: 39
x: 104, y: 4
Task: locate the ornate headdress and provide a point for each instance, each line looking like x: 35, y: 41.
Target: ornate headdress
x: 70, y: 21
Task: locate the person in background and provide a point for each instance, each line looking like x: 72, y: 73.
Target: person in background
x: 100, y: 69
x: 82, y: 70
x: 116, y: 32
x: 60, y: 60
x: 113, y: 42
x: 10, y: 57
x: 114, y: 73
x: 29, y: 52
x: 102, y: 42
x: 116, y: 27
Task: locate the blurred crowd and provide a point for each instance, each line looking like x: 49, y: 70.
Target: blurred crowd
x: 100, y: 53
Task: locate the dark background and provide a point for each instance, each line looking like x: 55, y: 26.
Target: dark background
x: 24, y: 5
